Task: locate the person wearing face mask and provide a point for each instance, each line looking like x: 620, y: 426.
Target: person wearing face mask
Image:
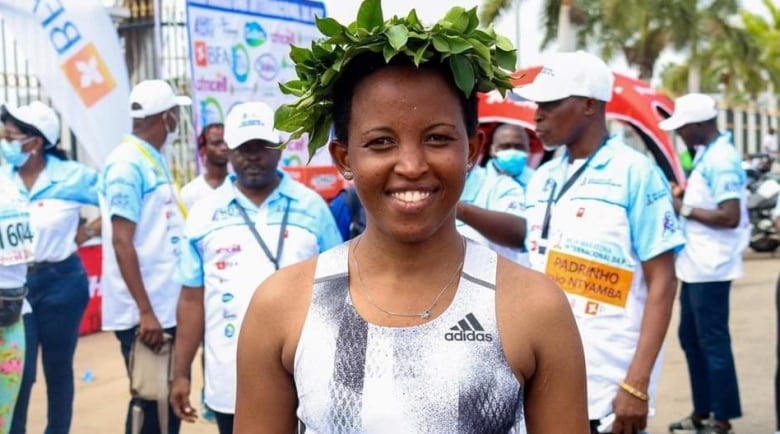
x: 509, y: 153
x: 143, y: 220
x: 490, y: 212
x: 58, y: 290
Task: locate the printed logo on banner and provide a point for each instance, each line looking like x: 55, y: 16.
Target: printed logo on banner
x: 240, y: 63
x: 254, y: 34
x: 283, y: 37
x: 211, y: 111
x: 228, y: 29
x: 267, y: 67
x: 89, y: 76
x: 204, y: 26
x: 201, y: 56
x: 216, y: 84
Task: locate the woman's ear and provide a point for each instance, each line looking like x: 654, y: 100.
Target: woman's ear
x: 340, y: 154
x: 34, y: 146
x: 476, y: 144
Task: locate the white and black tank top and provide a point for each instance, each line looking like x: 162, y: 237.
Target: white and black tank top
x: 449, y: 375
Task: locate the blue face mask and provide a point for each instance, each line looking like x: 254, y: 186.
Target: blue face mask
x: 511, y: 161
x: 12, y: 152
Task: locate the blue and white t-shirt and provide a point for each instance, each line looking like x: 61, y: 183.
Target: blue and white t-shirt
x: 615, y: 216
x: 136, y: 185
x: 55, y: 199
x: 714, y: 254
x: 221, y: 254
x: 522, y: 179
x: 494, y: 193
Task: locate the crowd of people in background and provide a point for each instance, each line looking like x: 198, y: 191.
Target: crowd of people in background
x: 443, y: 247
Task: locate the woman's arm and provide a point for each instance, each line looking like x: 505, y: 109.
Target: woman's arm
x: 266, y: 398
x: 88, y: 231
x: 543, y: 347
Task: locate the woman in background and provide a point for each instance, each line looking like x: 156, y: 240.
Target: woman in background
x: 55, y: 189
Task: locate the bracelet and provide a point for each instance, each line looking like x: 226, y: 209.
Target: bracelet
x: 636, y: 393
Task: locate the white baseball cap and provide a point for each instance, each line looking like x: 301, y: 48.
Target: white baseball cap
x: 39, y: 116
x: 570, y: 74
x: 250, y: 121
x: 689, y: 109
x: 154, y: 96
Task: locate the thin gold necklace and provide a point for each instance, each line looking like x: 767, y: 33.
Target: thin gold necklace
x: 427, y: 312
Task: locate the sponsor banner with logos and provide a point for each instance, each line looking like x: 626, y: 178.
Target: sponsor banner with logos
x: 73, y: 48
x: 240, y: 52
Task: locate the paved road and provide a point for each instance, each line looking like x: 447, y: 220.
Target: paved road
x: 101, y: 404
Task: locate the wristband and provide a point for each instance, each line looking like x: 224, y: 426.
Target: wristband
x: 633, y: 391
x: 686, y: 210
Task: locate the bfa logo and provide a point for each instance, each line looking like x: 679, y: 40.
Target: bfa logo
x: 240, y: 62
x: 89, y: 76
x: 254, y: 34
x: 85, y: 68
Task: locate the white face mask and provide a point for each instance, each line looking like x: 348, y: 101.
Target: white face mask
x: 171, y: 135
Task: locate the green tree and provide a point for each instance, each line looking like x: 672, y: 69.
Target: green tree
x: 641, y: 29
x: 742, y: 60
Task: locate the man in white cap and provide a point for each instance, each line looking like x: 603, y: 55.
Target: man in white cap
x: 142, y: 229
x: 714, y: 222
x: 258, y: 221
x: 602, y: 225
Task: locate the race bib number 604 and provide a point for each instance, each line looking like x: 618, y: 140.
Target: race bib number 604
x: 15, y: 237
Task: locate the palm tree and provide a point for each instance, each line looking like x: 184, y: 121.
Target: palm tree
x: 491, y: 9
x: 765, y: 34
x: 742, y: 60
x: 641, y: 29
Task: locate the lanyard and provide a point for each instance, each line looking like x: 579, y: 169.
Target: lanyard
x: 160, y: 171
x: 554, y: 199
x: 282, y: 227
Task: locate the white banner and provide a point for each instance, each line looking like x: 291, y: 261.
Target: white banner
x: 240, y: 52
x: 73, y: 48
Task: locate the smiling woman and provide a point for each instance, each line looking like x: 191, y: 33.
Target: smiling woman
x: 408, y: 328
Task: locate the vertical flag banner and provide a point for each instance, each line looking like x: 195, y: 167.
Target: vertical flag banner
x: 73, y: 48
x: 239, y: 52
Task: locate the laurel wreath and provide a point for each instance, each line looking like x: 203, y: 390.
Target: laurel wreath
x: 478, y: 58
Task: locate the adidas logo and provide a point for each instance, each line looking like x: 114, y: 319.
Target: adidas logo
x: 468, y: 329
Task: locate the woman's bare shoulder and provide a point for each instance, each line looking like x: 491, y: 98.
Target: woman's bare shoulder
x: 519, y: 284
x: 288, y: 286
x: 533, y: 312
x: 279, y: 306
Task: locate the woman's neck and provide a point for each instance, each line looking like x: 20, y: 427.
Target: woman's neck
x: 29, y: 171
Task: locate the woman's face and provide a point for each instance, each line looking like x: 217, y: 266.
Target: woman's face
x: 11, y: 132
x: 408, y: 150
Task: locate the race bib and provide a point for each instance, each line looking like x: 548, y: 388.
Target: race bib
x: 15, y: 237
x: 591, y: 279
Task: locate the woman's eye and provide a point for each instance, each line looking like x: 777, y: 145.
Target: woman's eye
x: 438, y: 139
x: 380, y: 142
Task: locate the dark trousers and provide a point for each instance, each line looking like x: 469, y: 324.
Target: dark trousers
x: 151, y: 423
x: 58, y: 294
x: 224, y: 422
x: 705, y: 339
x: 777, y: 349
